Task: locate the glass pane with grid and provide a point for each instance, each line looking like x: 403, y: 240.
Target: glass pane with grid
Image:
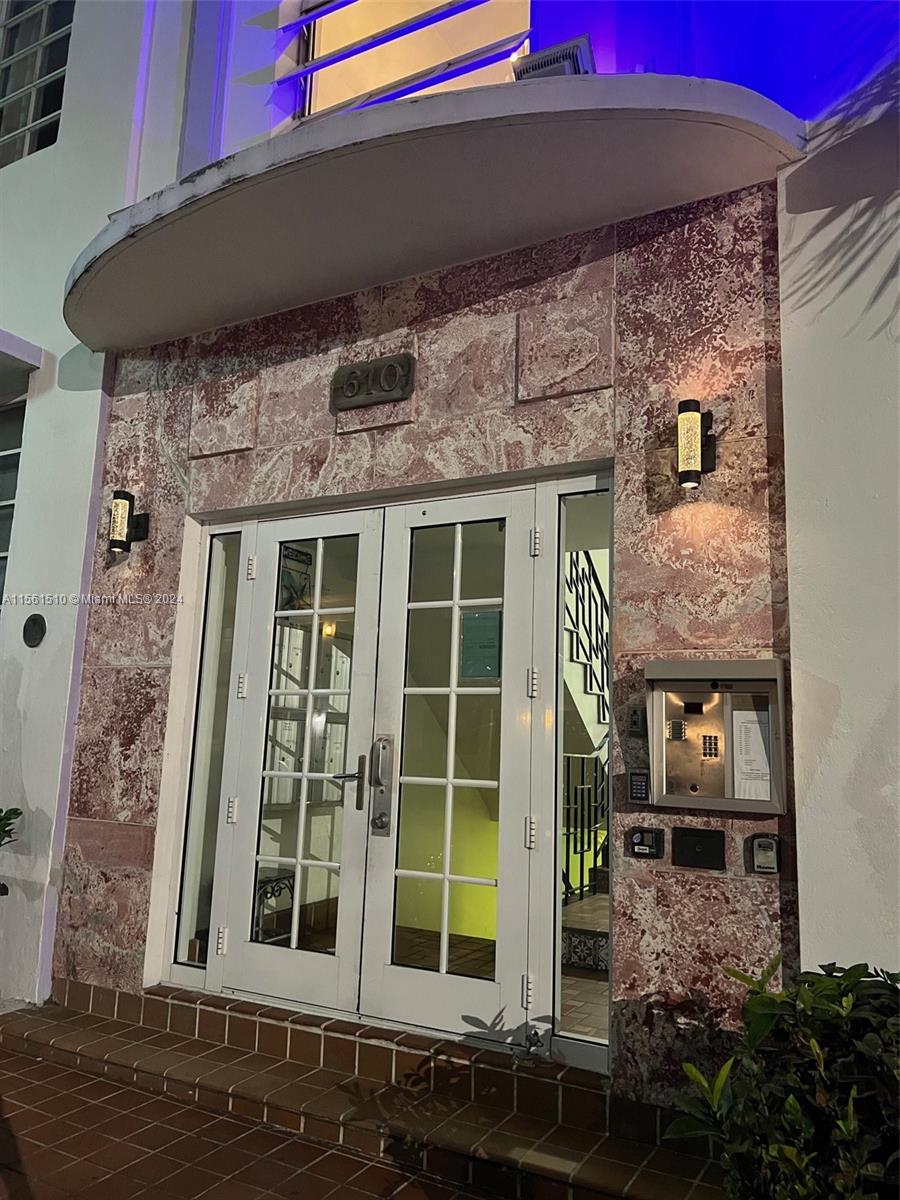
x: 34, y: 48
x: 11, y: 422
x: 298, y: 850
x: 446, y: 873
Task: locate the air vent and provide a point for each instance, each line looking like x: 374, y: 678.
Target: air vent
x: 568, y: 58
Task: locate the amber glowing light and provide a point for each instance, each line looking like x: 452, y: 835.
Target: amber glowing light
x: 696, y: 444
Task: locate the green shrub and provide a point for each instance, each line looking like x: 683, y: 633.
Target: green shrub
x: 807, y: 1107
x: 8, y: 818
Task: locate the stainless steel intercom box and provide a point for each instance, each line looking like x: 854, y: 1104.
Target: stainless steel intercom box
x: 716, y: 732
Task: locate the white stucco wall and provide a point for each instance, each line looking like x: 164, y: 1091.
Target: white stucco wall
x: 838, y: 221
x: 118, y: 140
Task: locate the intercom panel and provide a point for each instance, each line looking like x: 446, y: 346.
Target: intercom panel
x: 716, y: 732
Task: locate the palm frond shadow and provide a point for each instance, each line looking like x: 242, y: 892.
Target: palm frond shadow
x: 852, y: 179
x: 430, y: 1093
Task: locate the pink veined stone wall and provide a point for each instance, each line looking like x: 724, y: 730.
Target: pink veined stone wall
x: 575, y: 351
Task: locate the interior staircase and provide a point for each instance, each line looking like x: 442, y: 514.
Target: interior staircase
x: 586, y: 748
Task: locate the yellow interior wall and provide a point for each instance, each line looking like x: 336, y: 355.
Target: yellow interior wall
x: 468, y: 31
x: 475, y: 812
x: 474, y: 908
x: 475, y: 827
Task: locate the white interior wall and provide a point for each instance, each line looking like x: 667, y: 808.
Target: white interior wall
x: 838, y: 221
x: 118, y: 140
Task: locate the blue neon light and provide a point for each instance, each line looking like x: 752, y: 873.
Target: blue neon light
x: 807, y: 55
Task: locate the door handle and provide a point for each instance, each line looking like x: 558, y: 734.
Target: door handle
x: 359, y: 775
x: 382, y: 762
x: 381, y: 777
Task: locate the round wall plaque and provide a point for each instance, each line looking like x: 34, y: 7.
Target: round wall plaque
x: 33, y: 630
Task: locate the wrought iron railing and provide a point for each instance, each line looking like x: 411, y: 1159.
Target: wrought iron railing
x: 584, y: 824
x: 585, y: 782
x: 587, y: 626
x: 265, y: 922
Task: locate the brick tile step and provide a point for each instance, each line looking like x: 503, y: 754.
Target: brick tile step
x: 415, y: 1120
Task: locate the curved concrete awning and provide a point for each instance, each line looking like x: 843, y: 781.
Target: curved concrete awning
x: 381, y: 194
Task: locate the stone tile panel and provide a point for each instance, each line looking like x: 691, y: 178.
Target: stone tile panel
x: 118, y: 753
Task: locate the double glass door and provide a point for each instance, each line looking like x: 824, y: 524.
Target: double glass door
x: 377, y: 763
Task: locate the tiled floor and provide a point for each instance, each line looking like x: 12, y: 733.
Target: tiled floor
x: 471, y: 956
x: 474, y: 1118
x: 64, y: 1134
x: 592, y: 912
x: 585, y: 1003
x: 585, y: 993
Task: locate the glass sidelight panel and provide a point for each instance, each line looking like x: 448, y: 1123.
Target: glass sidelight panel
x: 425, y: 726
x: 296, y: 575
x: 476, y: 827
x: 417, y: 923
x: 290, y: 658
x: 327, y: 750
x: 472, y: 948
x: 429, y: 647
x: 335, y: 655
x: 209, y: 747
x: 299, y: 852
x: 445, y: 904
x: 339, y: 572
x: 480, y: 647
x: 286, y: 732
x: 324, y: 822
x: 273, y: 904
x: 482, y: 560
x: 583, y: 766
x: 9, y: 473
x: 477, y: 742
x: 317, y: 910
x: 432, y: 564
x: 6, y: 517
x: 279, y: 824
x: 422, y: 813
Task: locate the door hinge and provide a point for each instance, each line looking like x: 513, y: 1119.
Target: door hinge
x: 530, y: 833
x: 251, y: 566
x: 231, y: 807
x: 536, y: 542
x: 221, y: 939
x: 527, y: 991
x: 242, y: 687
x: 533, y: 682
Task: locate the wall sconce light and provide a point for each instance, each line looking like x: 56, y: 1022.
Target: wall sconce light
x: 696, y: 443
x: 125, y: 525
x: 329, y: 629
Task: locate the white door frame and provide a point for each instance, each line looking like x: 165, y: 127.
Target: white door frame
x: 494, y: 1008
x: 301, y: 976
x: 543, y: 955
x: 548, y: 654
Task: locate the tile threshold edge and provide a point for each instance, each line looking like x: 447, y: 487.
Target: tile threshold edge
x: 424, y: 1141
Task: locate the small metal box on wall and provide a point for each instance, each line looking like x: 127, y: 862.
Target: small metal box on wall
x: 716, y: 732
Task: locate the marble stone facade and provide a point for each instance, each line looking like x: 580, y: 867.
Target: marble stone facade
x: 575, y: 351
